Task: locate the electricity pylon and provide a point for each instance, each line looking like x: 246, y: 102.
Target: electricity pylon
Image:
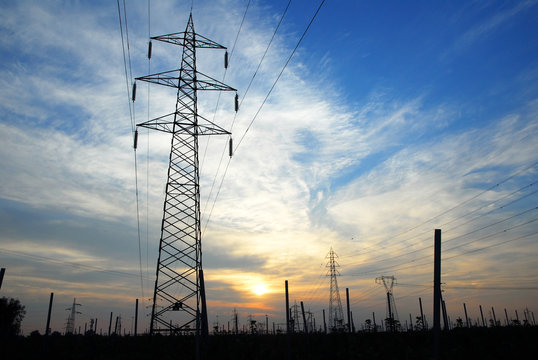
x: 336, y: 314
x: 392, y: 314
x: 179, y: 294
x: 70, y: 326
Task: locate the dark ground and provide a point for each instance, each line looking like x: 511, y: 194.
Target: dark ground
x: 474, y: 343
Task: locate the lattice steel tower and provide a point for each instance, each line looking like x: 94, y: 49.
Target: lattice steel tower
x: 70, y: 325
x: 179, y: 295
x: 336, y: 314
x: 392, y: 314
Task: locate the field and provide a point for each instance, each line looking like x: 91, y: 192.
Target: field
x: 474, y: 343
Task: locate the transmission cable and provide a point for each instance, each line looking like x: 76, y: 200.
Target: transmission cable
x: 451, y: 239
x: 147, y: 146
x: 467, y: 201
x: 279, y: 75
x: 125, y: 69
x: 509, y: 288
x: 133, y: 130
x: 49, y: 260
x: 261, y: 106
x: 399, y: 267
x: 218, y: 97
x: 372, y: 249
x: 470, y: 199
x: 243, y: 98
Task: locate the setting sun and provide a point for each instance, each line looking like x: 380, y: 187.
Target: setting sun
x: 259, y: 289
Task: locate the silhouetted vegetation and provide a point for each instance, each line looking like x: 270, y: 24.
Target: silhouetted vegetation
x: 11, y: 314
x: 460, y: 343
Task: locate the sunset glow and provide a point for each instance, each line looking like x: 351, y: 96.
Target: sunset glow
x: 260, y: 289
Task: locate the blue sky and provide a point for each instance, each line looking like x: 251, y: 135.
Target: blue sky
x: 392, y: 119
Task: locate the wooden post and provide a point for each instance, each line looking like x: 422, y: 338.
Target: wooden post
x: 204, y: 325
x: 324, y: 322
x: 47, y: 329
x: 506, y: 314
x: 422, y: 322
x: 482, y: 315
x: 494, y: 317
x: 375, y: 325
x: 288, y: 340
x: 305, y: 326
x: 391, y: 317
x: 116, y: 326
x: 446, y: 321
x: 136, y: 318
x: 437, y: 295
x: 2, y: 272
x: 348, y: 312
x: 110, y: 324
x: 287, y: 309
x: 466, y: 317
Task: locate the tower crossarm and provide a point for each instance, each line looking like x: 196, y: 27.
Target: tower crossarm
x: 179, y: 39
x: 165, y: 123
x: 171, y: 79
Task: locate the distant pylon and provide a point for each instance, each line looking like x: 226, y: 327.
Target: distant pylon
x: 392, y: 321
x: 295, y: 318
x: 70, y: 326
x: 336, y: 314
x: 179, y: 295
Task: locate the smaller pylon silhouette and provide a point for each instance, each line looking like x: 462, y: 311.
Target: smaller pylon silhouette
x: 336, y: 314
x: 391, y: 321
x: 70, y: 326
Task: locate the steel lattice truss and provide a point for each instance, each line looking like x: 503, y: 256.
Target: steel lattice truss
x: 336, y: 314
x: 178, y: 298
x: 392, y: 314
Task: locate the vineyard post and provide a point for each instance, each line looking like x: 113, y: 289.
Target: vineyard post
x: 466, y: 317
x: 348, y: 312
x: 437, y: 295
x: 47, y: 329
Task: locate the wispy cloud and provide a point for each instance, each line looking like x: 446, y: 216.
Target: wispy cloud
x: 488, y: 26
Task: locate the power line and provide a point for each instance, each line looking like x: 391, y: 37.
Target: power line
x: 492, y: 245
x: 493, y: 202
x: 261, y: 106
x: 374, y: 249
x: 429, y: 261
x: 125, y: 69
x: 508, y: 288
x: 465, y: 215
x: 49, y: 260
x: 218, y: 99
x: 132, y: 117
x: 470, y: 199
x: 215, y: 114
x: 147, y: 145
x: 242, y: 99
x: 467, y: 201
x: 279, y: 75
x: 128, y: 45
x: 492, y: 224
x: 449, y: 240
